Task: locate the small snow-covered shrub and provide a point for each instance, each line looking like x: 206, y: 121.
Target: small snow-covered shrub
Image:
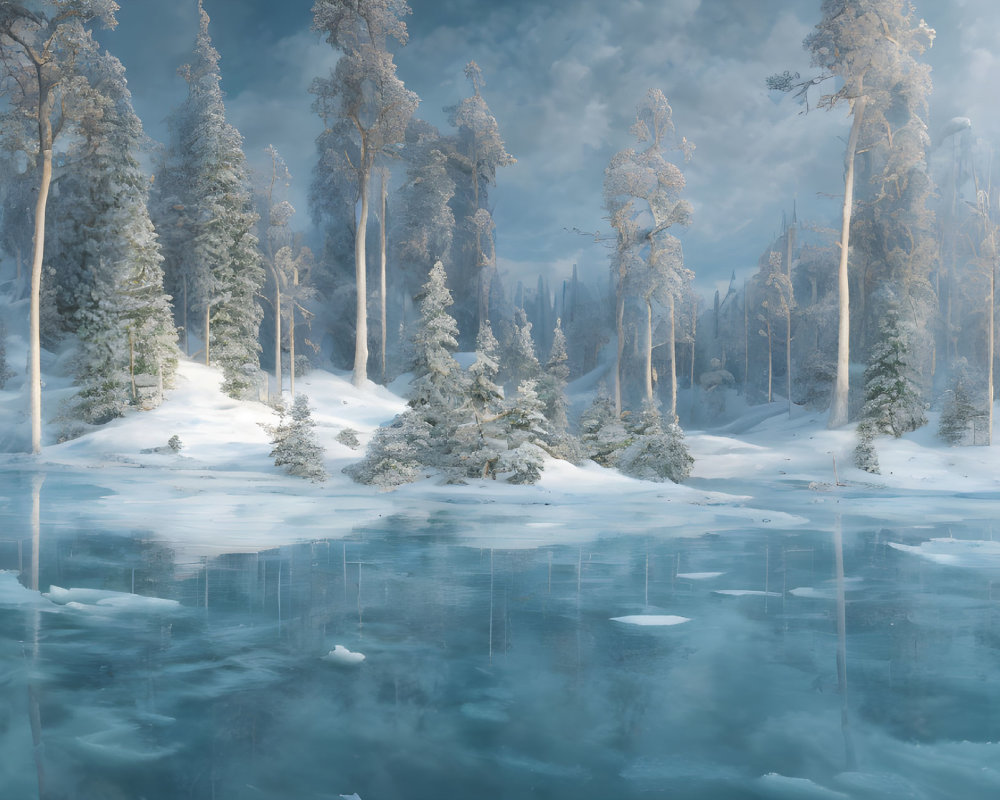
x: 865, y: 455
x: 394, y: 453
x: 523, y: 464
x: 656, y: 453
x: 295, y: 446
x: 602, y: 433
x: 175, y: 443
x: 349, y: 438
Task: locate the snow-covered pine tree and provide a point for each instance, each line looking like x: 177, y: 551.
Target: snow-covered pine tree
x: 395, y: 453
x: 959, y: 408
x: 552, y: 383
x: 602, y: 432
x: 481, y: 436
x: 484, y: 394
x: 216, y: 263
x: 656, y: 452
x: 527, y: 428
x: 893, y: 404
x: 294, y: 440
x: 521, y: 364
x: 117, y: 305
x: 437, y: 385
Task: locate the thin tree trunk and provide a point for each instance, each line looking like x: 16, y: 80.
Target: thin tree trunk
x: 291, y: 350
x: 620, y: 329
x: 746, y: 339
x: 838, y: 407
x: 184, y: 314
x: 208, y: 331
x: 672, y: 343
x: 382, y: 299
x: 277, y: 334
x: 34, y: 324
x: 649, y: 351
x: 694, y: 341
x: 131, y: 361
x: 360, y: 375
x: 790, y: 242
x: 770, y: 362
x: 992, y: 339
x: 788, y: 353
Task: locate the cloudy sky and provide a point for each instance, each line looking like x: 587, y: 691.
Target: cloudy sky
x: 563, y: 79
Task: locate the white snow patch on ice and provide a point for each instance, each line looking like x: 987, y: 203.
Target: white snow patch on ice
x: 341, y: 655
x: 651, y: 620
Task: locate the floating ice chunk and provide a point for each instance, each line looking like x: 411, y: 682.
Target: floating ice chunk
x: 781, y: 786
x: 79, y: 598
x: 699, y: 576
x: 956, y: 552
x: 746, y: 592
x: 812, y: 593
x: 350, y: 796
x: 13, y: 594
x: 651, y: 619
x: 341, y: 655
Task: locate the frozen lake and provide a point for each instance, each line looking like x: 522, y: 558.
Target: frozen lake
x: 652, y: 664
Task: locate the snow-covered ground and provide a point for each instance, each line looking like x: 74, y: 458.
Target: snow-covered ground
x: 222, y: 493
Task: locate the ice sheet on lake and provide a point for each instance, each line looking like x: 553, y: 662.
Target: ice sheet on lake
x: 746, y: 593
x: 699, y: 576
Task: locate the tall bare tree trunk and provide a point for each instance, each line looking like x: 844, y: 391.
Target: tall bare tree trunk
x: 694, y: 341
x: 620, y: 329
x: 208, y: 331
x: 184, y: 313
x: 838, y: 407
x: 384, y: 189
x: 649, y: 350
x: 45, y: 101
x: 788, y: 314
x: 360, y: 375
x: 746, y: 338
x: 277, y: 334
x: 291, y: 346
x: 672, y: 344
x: 992, y: 339
x: 788, y: 356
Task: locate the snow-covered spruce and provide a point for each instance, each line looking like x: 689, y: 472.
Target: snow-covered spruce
x: 294, y: 440
x: 204, y: 206
x: 656, y: 452
x: 893, y: 404
x: 602, y: 432
x: 395, y: 453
